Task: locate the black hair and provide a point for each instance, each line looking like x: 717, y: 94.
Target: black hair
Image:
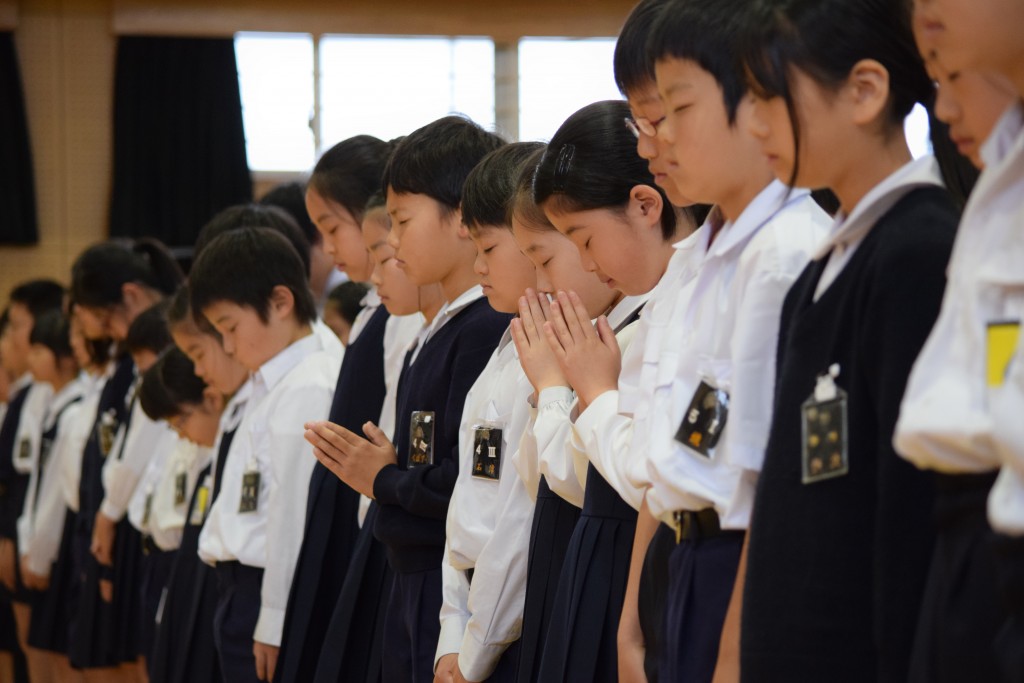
x: 100, y: 271
x: 291, y: 198
x: 633, y: 68
x: 52, y: 329
x: 376, y: 201
x: 348, y: 297
x: 435, y: 159
x: 38, y: 296
x: 179, y: 312
x: 522, y: 207
x: 350, y: 172
x: 591, y: 163
x: 825, y: 39
x: 708, y: 33
x: 243, y: 267
x: 154, y: 399
x: 170, y: 384
x: 149, y: 331
x: 491, y: 185
x: 255, y: 216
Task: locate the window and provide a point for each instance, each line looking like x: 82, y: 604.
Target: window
x: 388, y: 87
x: 275, y: 75
x: 558, y: 76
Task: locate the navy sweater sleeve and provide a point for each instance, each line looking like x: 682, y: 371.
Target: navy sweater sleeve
x: 901, y: 309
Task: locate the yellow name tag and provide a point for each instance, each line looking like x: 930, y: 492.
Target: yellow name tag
x: 1002, y: 344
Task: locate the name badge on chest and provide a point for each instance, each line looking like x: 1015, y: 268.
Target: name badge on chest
x: 250, y: 498
x: 180, y: 482
x: 24, y: 451
x: 107, y: 429
x: 1001, y: 344
x: 421, y: 438
x: 704, y: 420
x: 487, y: 447
x: 823, y: 428
x: 202, y: 502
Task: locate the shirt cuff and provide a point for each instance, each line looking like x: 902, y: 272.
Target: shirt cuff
x: 553, y: 395
x: 111, y: 511
x: 269, y: 626
x: 477, y: 660
x: 605, y: 404
x: 385, y: 484
x: 452, y: 630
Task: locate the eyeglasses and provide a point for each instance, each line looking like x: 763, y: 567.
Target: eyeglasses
x: 641, y: 125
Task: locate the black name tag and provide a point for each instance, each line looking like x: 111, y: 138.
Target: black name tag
x: 487, y: 445
x: 825, y: 454
x: 180, y: 481
x: 250, y: 499
x: 421, y: 438
x: 24, y: 450
x: 704, y: 420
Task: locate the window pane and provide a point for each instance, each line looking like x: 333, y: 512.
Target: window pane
x: 390, y: 86
x: 558, y: 76
x: 275, y: 73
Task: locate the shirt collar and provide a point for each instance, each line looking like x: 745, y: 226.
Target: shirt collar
x: 1006, y: 134
x: 461, y: 301
x: 371, y: 299
x: 271, y: 372
x: 626, y: 307
x: 847, y: 230
x: 20, y: 383
x: 769, y: 201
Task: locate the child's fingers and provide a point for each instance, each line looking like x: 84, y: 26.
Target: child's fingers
x: 537, y: 314
x: 581, y: 314
x: 376, y: 435
x: 529, y: 323
x: 607, y: 334
x: 567, y: 314
x: 553, y: 340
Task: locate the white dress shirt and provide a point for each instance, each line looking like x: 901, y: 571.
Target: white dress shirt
x: 723, y: 329
x: 294, y: 387
x: 167, y: 512
x: 42, y: 518
x: 30, y: 427
x: 133, y: 449
x: 79, y: 429
x: 499, y: 397
x: 944, y: 422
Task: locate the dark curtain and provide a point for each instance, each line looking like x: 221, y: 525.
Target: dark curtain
x: 179, y: 144
x: 17, y: 187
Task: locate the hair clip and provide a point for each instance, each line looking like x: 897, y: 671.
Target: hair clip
x: 562, y: 167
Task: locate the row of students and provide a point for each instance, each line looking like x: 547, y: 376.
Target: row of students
x: 749, y: 411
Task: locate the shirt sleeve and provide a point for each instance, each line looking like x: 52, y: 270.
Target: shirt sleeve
x: 122, y: 475
x: 551, y: 431
x: 603, y: 435
x: 290, y: 461
x: 454, y: 607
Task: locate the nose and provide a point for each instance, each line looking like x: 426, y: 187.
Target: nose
x: 587, y: 262
x: 757, y: 124
x: 946, y: 108
x: 543, y: 283
x: 375, y: 275
x: 393, y: 240
x: 646, y: 147
x: 480, y: 264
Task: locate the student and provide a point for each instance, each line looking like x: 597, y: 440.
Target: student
x: 19, y: 443
x: 946, y: 430
x: 323, y: 276
x: 535, y: 554
x: 342, y: 308
x: 51, y: 362
x: 354, y: 637
x: 707, y: 377
x: 834, y: 500
x: 49, y: 554
x: 250, y: 285
x: 342, y: 182
x: 476, y: 642
x: 111, y: 284
x: 184, y: 648
x: 412, y: 479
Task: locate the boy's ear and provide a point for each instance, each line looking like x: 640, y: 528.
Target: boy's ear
x: 282, y: 302
x: 647, y: 204
x: 868, y: 86
x: 461, y: 230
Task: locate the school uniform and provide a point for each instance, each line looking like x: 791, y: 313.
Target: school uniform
x: 183, y: 649
x: 542, y: 458
x: 353, y: 639
x: 999, y: 308
x: 254, y: 531
x: 332, y: 507
x: 16, y: 466
x: 581, y: 638
x: 842, y: 531
x: 945, y: 426
x: 96, y: 628
x: 703, y: 407
x: 494, y: 419
x: 413, y: 494
x: 50, y: 551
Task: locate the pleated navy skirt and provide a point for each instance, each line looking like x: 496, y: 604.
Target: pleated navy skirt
x: 51, y: 609
x: 654, y: 584
x: 961, y: 610
x: 154, y: 575
x: 352, y: 645
x: 330, y: 538
x: 1009, y: 553
x: 554, y: 520
x: 581, y: 642
x: 183, y: 650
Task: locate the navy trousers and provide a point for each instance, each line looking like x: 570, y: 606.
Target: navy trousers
x: 238, y: 608
x: 412, y: 628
